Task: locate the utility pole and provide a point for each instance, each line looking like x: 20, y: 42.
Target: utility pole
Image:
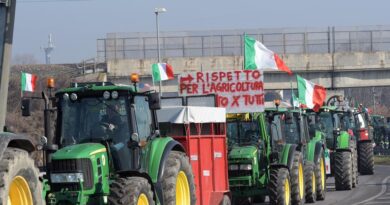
x: 7, y: 18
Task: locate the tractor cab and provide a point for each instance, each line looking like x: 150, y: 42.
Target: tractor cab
x: 106, y: 115
x: 293, y: 127
x: 243, y: 130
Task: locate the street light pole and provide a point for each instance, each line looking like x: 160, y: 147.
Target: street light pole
x: 157, y: 11
x: 158, y: 37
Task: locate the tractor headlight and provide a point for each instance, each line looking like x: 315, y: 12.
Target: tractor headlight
x: 245, y: 167
x: 233, y: 167
x: 67, y: 177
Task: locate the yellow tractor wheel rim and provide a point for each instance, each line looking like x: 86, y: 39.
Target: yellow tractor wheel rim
x: 322, y: 174
x: 314, y: 183
x: 182, y: 189
x: 300, y: 180
x: 19, y: 192
x: 287, y: 192
x: 143, y: 200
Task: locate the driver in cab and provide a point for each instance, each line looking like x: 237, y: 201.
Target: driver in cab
x: 252, y: 134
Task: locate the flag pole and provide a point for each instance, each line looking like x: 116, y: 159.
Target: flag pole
x: 243, y: 61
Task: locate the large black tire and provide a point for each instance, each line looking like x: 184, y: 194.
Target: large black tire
x: 279, y: 186
x: 366, y: 158
x: 15, y: 166
x: 226, y: 200
x: 129, y: 191
x: 176, y: 163
x: 355, y: 178
x: 343, y: 170
x: 297, y: 180
x: 320, y: 172
x: 310, y: 183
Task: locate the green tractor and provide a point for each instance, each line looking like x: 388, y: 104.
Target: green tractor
x: 337, y: 126
x: 311, y: 143
x: 381, y: 133
x: 261, y: 162
x: 107, y: 149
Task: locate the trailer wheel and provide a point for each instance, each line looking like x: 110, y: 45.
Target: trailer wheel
x: 279, y: 186
x: 310, y: 183
x: 297, y: 180
x: 366, y: 158
x: 19, y: 179
x: 320, y: 176
x: 343, y: 170
x: 178, y: 180
x: 226, y: 200
x: 131, y: 191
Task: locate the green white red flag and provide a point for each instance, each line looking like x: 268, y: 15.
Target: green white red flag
x: 310, y: 94
x: 257, y: 56
x: 28, y: 82
x: 162, y: 71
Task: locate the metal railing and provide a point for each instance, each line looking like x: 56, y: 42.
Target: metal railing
x: 325, y: 40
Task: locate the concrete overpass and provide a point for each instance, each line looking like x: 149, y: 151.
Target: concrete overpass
x: 332, y: 70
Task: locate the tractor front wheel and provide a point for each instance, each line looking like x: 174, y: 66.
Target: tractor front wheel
x: 320, y: 173
x: 297, y: 180
x: 19, y: 179
x: 279, y: 186
x: 310, y: 183
x: 178, y: 180
x: 131, y: 191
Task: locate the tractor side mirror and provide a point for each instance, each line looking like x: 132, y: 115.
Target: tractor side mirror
x: 26, y: 103
x: 154, y: 101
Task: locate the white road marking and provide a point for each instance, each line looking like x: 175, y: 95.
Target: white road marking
x: 384, y: 187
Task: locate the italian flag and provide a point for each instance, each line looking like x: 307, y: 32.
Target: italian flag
x: 310, y: 94
x: 28, y: 82
x: 162, y: 71
x: 257, y: 56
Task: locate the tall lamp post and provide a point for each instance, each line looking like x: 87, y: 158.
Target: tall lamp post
x: 158, y: 11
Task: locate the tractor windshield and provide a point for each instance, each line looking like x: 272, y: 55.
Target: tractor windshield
x: 361, y: 122
x: 243, y: 132
x: 292, y: 130
x: 93, y: 120
x: 324, y: 123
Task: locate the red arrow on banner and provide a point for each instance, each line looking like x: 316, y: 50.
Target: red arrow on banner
x: 189, y: 78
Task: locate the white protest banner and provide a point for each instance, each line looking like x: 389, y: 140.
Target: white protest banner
x: 238, y: 91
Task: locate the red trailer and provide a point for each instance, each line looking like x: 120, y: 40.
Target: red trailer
x: 202, y: 132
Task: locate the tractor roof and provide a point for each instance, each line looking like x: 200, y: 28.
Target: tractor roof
x: 97, y: 86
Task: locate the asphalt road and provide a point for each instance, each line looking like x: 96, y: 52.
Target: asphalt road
x: 371, y: 190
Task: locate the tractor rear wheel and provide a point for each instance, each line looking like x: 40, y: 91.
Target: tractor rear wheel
x: 19, y: 179
x: 178, y: 180
x: 343, y: 170
x: 355, y: 163
x: 310, y: 183
x: 131, y: 191
x: 366, y: 158
x: 320, y: 176
x: 279, y: 186
x: 297, y: 180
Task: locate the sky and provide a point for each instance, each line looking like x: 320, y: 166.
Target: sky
x: 77, y: 24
